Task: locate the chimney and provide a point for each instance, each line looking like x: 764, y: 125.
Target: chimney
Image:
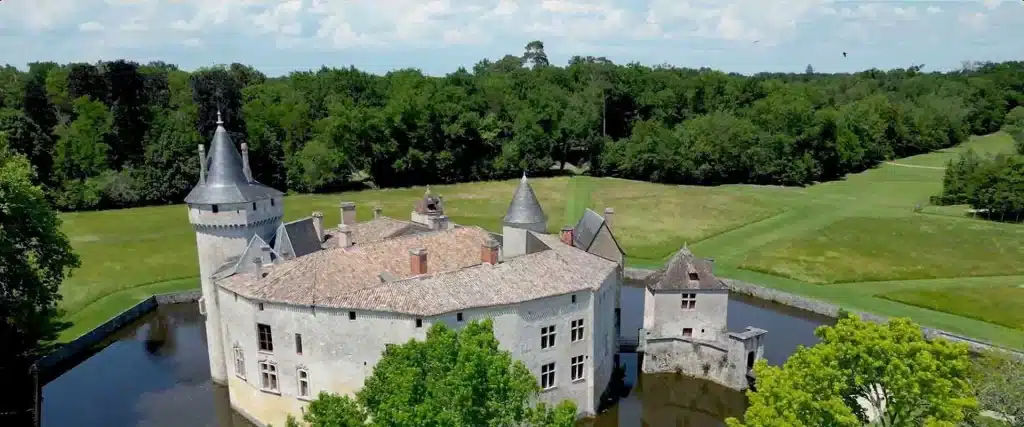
x: 348, y: 213
x: 609, y: 213
x: 318, y: 224
x: 418, y: 261
x: 439, y: 222
x: 265, y: 251
x: 202, y: 164
x: 377, y: 212
x: 344, y: 236
x: 245, y: 162
x: 567, y: 235
x: 489, y: 252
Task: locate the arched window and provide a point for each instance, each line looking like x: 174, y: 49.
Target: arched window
x: 303, y: 377
x: 268, y: 376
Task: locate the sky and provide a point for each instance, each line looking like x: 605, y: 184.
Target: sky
x: 438, y: 36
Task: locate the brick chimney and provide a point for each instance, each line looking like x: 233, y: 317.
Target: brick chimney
x: 377, y: 212
x: 202, y: 164
x: 489, y: 252
x: 609, y: 213
x: 418, y: 261
x: 245, y: 162
x: 348, y: 213
x: 567, y: 235
x: 318, y: 224
x: 344, y: 236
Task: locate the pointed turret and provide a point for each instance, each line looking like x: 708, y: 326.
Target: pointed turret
x: 226, y: 179
x: 524, y: 211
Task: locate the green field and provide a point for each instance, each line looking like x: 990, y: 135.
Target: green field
x: 858, y: 242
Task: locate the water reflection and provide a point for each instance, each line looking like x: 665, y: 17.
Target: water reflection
x: 155, y: 373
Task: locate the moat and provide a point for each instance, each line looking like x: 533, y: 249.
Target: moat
x: 155, y: 373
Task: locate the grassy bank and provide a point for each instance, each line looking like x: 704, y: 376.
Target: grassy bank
x: 860, y: 242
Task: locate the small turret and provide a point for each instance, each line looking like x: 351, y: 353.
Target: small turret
x: 524, y: 211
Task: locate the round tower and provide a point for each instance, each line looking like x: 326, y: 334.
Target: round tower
x: 524, y: 214
x: 227, y: 207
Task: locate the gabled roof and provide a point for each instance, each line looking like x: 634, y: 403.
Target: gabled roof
x: 586, y: 229
x: 245, y: 262
x: 225, y: 177
x: 524, y: 208
x: 675, y: 275
x: 300, y: 235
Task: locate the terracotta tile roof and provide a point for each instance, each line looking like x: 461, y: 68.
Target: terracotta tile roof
x: 374, y: 230
x: 676, y: 274
x: 455, y: 279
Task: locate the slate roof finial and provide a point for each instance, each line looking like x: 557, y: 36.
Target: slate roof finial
x: 219, y: 121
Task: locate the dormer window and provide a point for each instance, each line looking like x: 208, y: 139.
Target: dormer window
x: 693, y: 276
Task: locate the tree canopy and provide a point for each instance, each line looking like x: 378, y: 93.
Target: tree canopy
x: 998, y: 381
x: 35, y: 257
x: 861, y: 368
x: 451, y: 379
x: 119, y: 133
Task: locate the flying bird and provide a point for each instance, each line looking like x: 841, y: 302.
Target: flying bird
x: 844, y: 54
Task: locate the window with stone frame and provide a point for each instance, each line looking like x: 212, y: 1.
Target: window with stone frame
x: 576, y: 330
x: 576, y: 368
x: 547, y: 337
x: 303, y: 377
x: 268, y: 376
x: 547, y: 376
x: 239, y: 362
x: 266, y: 339
x: 689, y: 300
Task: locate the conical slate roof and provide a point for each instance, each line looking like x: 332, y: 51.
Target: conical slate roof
x: 225, y: 176
x: 524, y: 208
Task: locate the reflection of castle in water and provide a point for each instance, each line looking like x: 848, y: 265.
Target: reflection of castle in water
x: 678, y: 400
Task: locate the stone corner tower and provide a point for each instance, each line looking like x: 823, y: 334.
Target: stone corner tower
x: 524, y: 214
x: 227, y: 207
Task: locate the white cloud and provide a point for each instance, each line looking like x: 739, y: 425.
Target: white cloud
x: 934, y: 9
x: 974, y: 21
x: 90, y: 26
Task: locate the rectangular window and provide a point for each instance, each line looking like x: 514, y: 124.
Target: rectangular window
x: 253, y: 205
x: 298, y: 343
x: 693, y: 276
x: 574, y: 299
x: 351, y: 315
x: 576, y: 369
x: 266, y: 339
x: 458, y: 317
x: 547, y: 376
x: 687, y: 332
x: 215, y: 209
x: 419, y: 323
x: 303, y: 384
x: 576, y: 330
x: 689, y: 301
x: 268, y: 376
x: 547, y: 337
x: 239, y: 363
x: 261, y: 304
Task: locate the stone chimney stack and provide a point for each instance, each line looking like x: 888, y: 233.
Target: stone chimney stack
x: 348, y: 213
x: 318, y: 224
x: 265, y: 251
x: 245, y: 162
x: 202, y: 164
x: 418, y: 261
x: 344, y: 236
x: 377, y: 212
x: 609, y: 213
x: 489, y: 252
x: 567, y: 235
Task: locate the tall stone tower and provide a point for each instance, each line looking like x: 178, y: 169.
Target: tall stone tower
x: 524, y: 214
x: 227, y: 207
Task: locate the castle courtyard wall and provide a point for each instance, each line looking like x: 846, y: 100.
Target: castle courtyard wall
x: 339, y: 353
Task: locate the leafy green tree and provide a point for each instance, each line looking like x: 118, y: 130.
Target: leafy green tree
x: 36, y: 257
x: 862, y: 367
x: 451, y: 379
x: 998, y: 381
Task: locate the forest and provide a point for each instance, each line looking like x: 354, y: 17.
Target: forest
x: 121, y: 134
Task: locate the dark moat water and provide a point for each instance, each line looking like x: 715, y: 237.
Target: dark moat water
x: 155, y: 373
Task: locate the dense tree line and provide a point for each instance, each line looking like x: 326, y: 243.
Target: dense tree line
x: 993, y: 186
x: 118, y: 133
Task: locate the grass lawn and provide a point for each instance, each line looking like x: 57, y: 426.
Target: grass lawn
x: 862, y: 235
x: 998, y: 304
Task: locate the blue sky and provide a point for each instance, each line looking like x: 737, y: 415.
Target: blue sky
x: 438, y: 36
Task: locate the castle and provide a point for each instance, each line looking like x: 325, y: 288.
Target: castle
x: 292, y: 309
